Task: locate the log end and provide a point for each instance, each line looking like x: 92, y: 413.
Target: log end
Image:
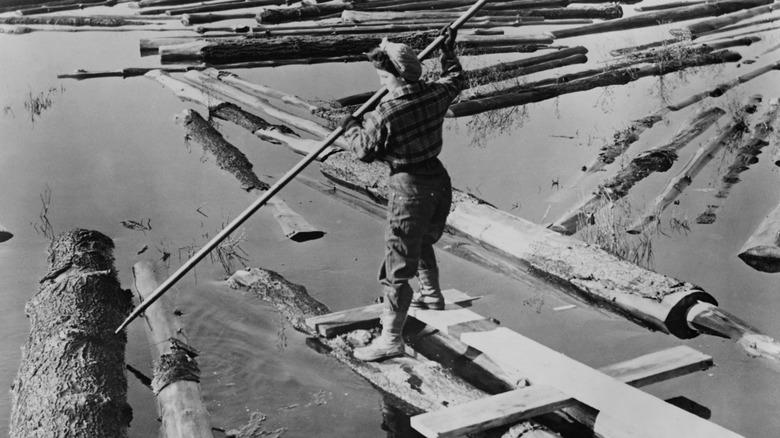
x: 762, y: 258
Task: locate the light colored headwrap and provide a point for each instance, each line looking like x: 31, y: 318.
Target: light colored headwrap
x: 404, y: 60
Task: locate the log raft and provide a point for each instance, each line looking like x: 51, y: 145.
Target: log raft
x: 72, y: 381
x: 229, y: 158
x: 175, y: 370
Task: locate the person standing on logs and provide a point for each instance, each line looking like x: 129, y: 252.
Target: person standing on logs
x: 405, y: 130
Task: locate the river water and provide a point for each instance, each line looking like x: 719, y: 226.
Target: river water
x: 106, y: 150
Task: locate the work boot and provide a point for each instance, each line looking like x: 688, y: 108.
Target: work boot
x: 429, y: 294
x: 390, y: 343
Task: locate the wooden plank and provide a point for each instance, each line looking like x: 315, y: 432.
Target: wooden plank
x: 489, y: 412
x: 659, y: 366
x: 623, y: 410
x: 331, y: 324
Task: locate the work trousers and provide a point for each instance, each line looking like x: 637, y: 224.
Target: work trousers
x: 418, y: 205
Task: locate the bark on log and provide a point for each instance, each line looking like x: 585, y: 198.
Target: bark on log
x: 64, y: 7
x: 261, y: 48
x: 762, y: 250
x: 5, y: 234
x: 262, y: 90
x: 232, y: 160
x: 191, y: 19
x: 72, y: 381
x: 64, y: 20
x: 412, y: 385
x: 605, y: 11
x: 301, y: 13
x: 671, y: 5
x: 729, y: 134
x: 14, y: 5
x: 619, y: 76
x: 657, y: 159
x: 664, y: 16
x: 456, y: 5
x: 746, y: 156
x: 707, y: 26
x: 176, y: 373
x: 207, y: 7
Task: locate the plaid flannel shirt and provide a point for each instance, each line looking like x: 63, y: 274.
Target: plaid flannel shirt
x: 406, y: 127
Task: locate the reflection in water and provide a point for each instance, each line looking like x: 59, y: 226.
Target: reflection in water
x: 396, y: 423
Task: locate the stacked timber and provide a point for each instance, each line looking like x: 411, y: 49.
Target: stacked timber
x: 72, y: 381
x: 176, y: 375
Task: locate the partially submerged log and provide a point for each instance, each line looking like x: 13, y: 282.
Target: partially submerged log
x: 627, y: 136
x: 729, y: 134
x: 410, y: 384
x: 71, y: 380
x: 209, y: 7
x: 232, y: 160
x: 505, y: 97
x: 762, y: 250
x: 604, y: 11
x: 65, y: 20
x: 15, y: 5
x: 191, y: 19
x: 746, y: 156
x: 63, y: 7
x: 5, y: 234
x: 662, y: 16
x: 657, y: 159
x: 262, y: 90
x: 707, y: 26
x: 176, y: 373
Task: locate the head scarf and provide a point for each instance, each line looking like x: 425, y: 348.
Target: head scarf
x: 404, y: 60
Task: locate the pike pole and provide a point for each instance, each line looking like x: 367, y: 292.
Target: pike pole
x: 292, y: 173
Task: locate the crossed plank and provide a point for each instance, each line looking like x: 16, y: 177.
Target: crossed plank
x: 558, y: 381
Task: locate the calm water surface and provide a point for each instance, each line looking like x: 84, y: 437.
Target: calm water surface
x: 108, y: 150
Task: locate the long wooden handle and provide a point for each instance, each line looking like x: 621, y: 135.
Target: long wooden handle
x: 240, y: 219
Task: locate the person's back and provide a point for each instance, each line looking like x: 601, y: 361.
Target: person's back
x: 405, y: 130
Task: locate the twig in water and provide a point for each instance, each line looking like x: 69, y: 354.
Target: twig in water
x: 44, y: 227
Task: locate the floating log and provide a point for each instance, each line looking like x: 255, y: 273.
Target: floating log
x: 66, y: 20
x: 122, y: 73
x: 670, y: 5
x: 762, y: 250
x: 64, y: 7
x: 707, y: 318
x: 277, y: 134
x: 456, y: 5
x: 294, y: 47
x: 657, y: 159
x: 745, y: 157
x: 625, y: 137
x: 605, y: 11
x: 219, y: 5
x: 5, y: 234
x: 700, y: 27
x: 71, y: 380
x: 663, y: 16
x: 412, y: 385
x: 229, y: 158
x: 262, y: 90
x: 191, y: 19
x: 14, y: 5
x: 506, y: 98
x: 730, y: 133
x: 742, y: 26
x: 176, y: 374
x: 301, y: 13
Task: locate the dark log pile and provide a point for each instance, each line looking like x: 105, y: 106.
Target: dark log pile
x: 71, y: 381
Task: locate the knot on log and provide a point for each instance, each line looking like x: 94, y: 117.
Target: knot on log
x: 656, y: 161
x: 81, y: 249
x: 176, y: 366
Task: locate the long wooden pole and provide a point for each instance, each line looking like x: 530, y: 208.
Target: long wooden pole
x: 274, y: 189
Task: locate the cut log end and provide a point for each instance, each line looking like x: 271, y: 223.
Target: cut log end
x: 762, y: 258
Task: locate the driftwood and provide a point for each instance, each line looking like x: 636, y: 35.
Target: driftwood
x: 708, y: 26
x: 302, y: 13
x: 505, y: 98
x: 663, y: 16
x: 745, y: 157
x: 5, y: 234
x: 223, y: 51
x: 625, y: 137
x: 658, y: 159
x: 232, y: 160
x: 71, y: 381
x: 729, y: 134
x: 412, y: 385
x: 176, y: 373
x: 762, y: 250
